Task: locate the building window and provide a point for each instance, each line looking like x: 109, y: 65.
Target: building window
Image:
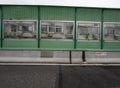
x: 56, y: 30
x: 20, y: 29
x: 112, y: 31
x: 44, y: 29
x: 88, y: 30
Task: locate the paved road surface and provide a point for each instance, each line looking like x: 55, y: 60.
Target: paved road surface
x: 59, y: 77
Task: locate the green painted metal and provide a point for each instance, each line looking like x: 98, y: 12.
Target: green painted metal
x: 75, y: 40
x: 57, y: 13
x: 61, y: 49
x: 0, y: 26
x: 20, y: 12
x: 0, y: 43
x: 38, y: 27
x: 112, y: 45
x: 0, y: 21
x: 87, y: 14
x: 88, y: 45
x: 102, y: 17
x: 20, y: 44
x: 1, y: 37
x: 111, y: 15
x: 53, y: 44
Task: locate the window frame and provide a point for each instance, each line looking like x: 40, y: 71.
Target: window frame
x: 36, y: 26
x: 104, y: 30
x: 61, y: 21
x: 91, y: 40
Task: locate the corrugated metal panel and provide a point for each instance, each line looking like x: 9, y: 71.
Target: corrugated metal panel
x: 20, y: 12
x: 57, y: 13
x: 0, y: 22
x: 56, y: 44
x: 85, y: 14
x: 112, y: 45
x: 20, y: 44
x: 112, y: 15
x: 88, y: 45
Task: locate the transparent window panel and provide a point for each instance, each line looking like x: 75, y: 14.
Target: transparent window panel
x: 103, y: 57
x: 76, y: 57
x: 20, y: 29
x: 54, y: 56
x: 59, y: 30
x: 112, y: 32
x: 88, y: 30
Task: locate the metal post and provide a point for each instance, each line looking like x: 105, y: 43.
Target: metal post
x: 1, y: 26
x: 38, y: 26
x: 102, y: 18
x: 70, y: 57
x: 83, y: 56
x: 75, y: 28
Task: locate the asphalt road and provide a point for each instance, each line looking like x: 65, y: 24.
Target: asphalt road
x: 59, y: 77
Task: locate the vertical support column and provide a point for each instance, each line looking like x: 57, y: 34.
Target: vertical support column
x: 102, y: 18
x: 83, y: 56
x: 38, y: 26
x: 75, y: 40
x: 1, y: 26
x: 70, y: 56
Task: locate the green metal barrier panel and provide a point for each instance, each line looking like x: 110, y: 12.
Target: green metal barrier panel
x: 59, y: 28
x: 20, y: 44
x: 112, y: 45
x: 52, y: 44
x: 61, y: 14
x: 0, y: 23
x: 86, y: 14
x: 88, y: 45
x: 112, y: 16
x: 0, y: 27
x: 20, y: 12
x: 0, y: 43
x: 57, y: 13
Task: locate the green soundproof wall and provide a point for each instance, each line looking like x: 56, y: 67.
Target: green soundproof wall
x: 89, y: 15
x: 0, y: 26
x: 61, y: 14
x: 20, y: 13
x: 111, y: 15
